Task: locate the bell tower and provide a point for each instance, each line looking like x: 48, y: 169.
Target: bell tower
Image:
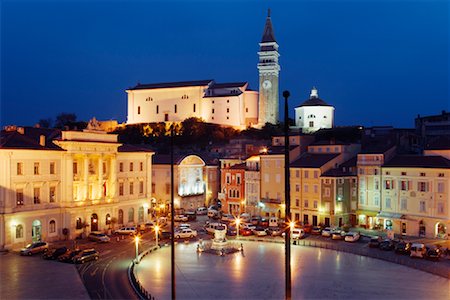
x: 269, y: 70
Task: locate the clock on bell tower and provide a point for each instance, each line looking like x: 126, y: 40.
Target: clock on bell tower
x: 269, y: 70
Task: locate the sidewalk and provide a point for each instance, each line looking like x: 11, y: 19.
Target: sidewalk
x: 25, y: 277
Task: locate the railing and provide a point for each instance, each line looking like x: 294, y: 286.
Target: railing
x: 140, y: 291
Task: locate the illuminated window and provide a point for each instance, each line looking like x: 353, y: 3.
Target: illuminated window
x: 141, y: 187
x: 131, y: 188
x: 19, y: 197
x: 306, y: 204
x: 19, y: 232
x: 141, y: 214
x: 120, y: 188
x: 36, y: 168
x: 130, y: 215
x: 37, y: 195
x: 19, y: 168
x: 79, y: 223
x: 52, y: 194
x: 52, y: 226
x: 422, y: 186
x: 315, y: 204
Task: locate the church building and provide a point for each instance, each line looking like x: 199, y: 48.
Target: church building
x: 230, y: 104
x: 314, y: 114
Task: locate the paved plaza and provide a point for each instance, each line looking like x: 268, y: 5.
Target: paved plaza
x: 258, y: 273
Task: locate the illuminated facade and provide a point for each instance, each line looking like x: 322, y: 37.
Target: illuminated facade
x: 195, y: 182
x: 233, y: 189
x: 314, y: 114
x: 230, y: 104
x: 57, y: 184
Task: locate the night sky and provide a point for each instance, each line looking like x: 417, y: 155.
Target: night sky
x: 378, y: 62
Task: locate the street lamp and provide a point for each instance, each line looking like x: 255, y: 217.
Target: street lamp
x: 136, y: 243
x: 156, y: 234
x: 238, y: 221
x: 287, y: 213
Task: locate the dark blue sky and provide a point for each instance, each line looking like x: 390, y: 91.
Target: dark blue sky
x: 378, y: 62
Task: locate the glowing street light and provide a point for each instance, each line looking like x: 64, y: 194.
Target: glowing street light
x: 156, y: 234
x: 292, y: 225
x: 136, y: 242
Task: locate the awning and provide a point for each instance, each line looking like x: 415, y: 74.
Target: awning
x: 386, y: 215
x: 369, y: 213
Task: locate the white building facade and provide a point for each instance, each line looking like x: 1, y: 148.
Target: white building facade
x: 67, y: 186
x: 314, y: 114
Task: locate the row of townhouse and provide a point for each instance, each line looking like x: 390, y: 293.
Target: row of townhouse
x: 333, y: 184
x: 62, y: 184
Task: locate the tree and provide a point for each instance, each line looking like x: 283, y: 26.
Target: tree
x: 65, y: 119
x: 45, y: 123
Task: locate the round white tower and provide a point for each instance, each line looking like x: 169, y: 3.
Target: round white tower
x: 314, y: 114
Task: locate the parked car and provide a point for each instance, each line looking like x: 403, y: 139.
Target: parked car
x: 165, y: 235
x: 274, y: 231
x: 184, y: 225
x: 403, y: 247
x: 180, y: 218
x: 387, y: 245
x: 212, y: 213
x: 273, y: 222
x: 245, y: 218
x: 231, y: 231
x: 307, y: 228
x: 259, y: 231
x: 433, y: 252
x: 211, y: 227
x: 326, y: 232
x: 255, y: 220
x: 227, y: 218
x: 202, y: 211
x: 130, y: 230
x: 98, y: 236
x: 297, y: 233
x: 352, y: 236
x: 374, y: 242
x: 316, y: 230
x: 185, y: 233
x: 245, y: 231
x: 85, y: 256
x: 418, y: 250
x: 67, y: 257
x: 263, y: 223
x: 337, y: 234
x: 34, y: 248
x: 54, y: 253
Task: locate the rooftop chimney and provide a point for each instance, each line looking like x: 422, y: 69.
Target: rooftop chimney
x: 42, y: 140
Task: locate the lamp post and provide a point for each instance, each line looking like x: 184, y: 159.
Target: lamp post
x: 172, y: 214
x: 287, y: 214
x: 238, y: 221
x: 156, y: 234
x: 136, y: 243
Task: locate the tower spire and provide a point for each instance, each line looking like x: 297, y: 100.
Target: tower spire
x: 268, y: 34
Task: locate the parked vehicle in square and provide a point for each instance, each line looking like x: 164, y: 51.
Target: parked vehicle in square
x: 433, y: 252
x: 211, y: 227
x: 191, y: 215
x: 307, y: 228
x: 337, y: 235
x: 97, y: 236
x: 326, y: 232
x: 418, y: 250
x: 34, y: 248
x: 297, y: 233
x: 67, y: 257
x: 316, y: 230
x: 263, y: 222
x: 273, y: 222
x: 352, y: 237
x: 165, y: 235
x: 274, y: 231
x: 185, y: 233
x: 387, y: 245
x: 374, y: 242
x: 245, y: 231
x: 54, y: 253
x: 227, y: 218
x: 231, y: 231
x: 245, y: 218
x: 259, y: 231
x: 184, y: 225
x: 403, y: 247
x: 85, y: 256
x: 202, y: 211
x: 129, y: 230
x: 255, y: 220
x: 180, y: 218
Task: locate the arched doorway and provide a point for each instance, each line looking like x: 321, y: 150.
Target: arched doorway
x: 36, y: 231
x: 94, y: 222
x: 441, y: 231
x: 120, y: 217
x: 422, y: 229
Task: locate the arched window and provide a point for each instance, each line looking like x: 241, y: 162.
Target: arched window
x: 131, y: 215
x: 52, y: 226
x: 120, y: 218
x: 19, y: 231
x: 108, y: 219
x: 79, y: 224
x: 141, y: 214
